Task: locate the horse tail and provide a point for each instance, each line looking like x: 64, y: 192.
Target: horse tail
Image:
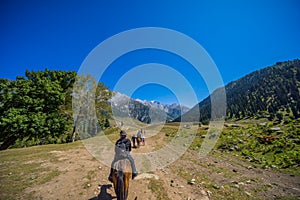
x: 120, y: 186
x: 122, y: 175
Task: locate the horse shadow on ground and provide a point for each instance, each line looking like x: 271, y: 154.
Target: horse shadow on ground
x: 104, y: 195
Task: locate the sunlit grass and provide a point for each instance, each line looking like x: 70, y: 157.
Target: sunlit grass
x: 22, y: 168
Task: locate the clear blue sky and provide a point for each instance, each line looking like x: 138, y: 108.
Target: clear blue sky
x: 240, y: 36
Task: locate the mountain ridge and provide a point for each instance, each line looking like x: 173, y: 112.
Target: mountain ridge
x: 271, y: 92
x: 145, y: 111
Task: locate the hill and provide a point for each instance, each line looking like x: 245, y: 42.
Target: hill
x: 272, y: 92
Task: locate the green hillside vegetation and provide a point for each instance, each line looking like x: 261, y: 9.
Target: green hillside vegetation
x: 37, y: 108
x: 272, y: 92
x: 264, y: 144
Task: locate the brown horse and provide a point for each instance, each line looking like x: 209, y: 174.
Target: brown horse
x: 121, y: 176
x: 133, y: 138
x: 138, y: 141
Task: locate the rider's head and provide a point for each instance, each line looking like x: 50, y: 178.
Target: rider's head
x: 123, y: 133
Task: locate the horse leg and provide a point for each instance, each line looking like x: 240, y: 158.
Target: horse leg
x: 134, y: 143
x: 126, y: 184
x: 120, y: 186
x: 115, y: 182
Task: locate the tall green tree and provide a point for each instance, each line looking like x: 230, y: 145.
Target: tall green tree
x: 30, y: 107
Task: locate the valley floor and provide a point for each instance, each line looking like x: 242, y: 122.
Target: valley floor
x: 70, y: 172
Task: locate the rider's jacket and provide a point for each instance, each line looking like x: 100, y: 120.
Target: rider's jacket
x: 123, y: 144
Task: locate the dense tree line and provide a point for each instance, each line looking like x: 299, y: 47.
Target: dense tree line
x: 37, y: 108
x: 272, y: 92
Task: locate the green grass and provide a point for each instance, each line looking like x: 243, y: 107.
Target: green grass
x: 282, y: 154
x: 22, y: 168
x: 156, y: 186
x: 226, y: 191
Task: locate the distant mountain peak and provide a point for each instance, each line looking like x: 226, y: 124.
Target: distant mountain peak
x: 141, y: 110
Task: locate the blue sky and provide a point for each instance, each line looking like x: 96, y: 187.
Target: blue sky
x: 240, y: 37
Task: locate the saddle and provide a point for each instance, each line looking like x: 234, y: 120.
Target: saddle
x: 119, y: 165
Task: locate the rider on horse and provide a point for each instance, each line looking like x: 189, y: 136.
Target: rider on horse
x: 122, y: 149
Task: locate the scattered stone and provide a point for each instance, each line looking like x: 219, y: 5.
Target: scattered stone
x: 209, y: 193
x: 248, y: 193
x: 275, y: 129
x: 192, y: 181
x: 231, y: 149
x: 216, y: 187
x: 241, y: 183
x: 249, y: 167
x: 234, y: 170
x: 274, y: 166
x: 240, y: 141
x: 262, y: 124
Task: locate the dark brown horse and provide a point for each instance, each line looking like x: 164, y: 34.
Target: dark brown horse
x: 122, y: 173
x: 133, y: 138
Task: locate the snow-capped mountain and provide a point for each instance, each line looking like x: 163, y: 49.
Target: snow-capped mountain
x: 145, y: 111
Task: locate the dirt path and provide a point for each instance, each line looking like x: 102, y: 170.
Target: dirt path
x: 84, y: 177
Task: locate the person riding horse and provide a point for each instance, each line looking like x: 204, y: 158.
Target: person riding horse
x: 122, y: 149
x: 133, y: 138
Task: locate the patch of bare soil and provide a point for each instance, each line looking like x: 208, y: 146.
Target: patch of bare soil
x: 84, y: 177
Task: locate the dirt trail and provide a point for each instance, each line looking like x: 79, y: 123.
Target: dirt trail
x: 84, y: 177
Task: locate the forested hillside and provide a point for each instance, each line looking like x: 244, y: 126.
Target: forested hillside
x: 272, y: 92
x: 37, y: 108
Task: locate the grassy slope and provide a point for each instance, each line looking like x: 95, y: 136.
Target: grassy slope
x: 23, y: 168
